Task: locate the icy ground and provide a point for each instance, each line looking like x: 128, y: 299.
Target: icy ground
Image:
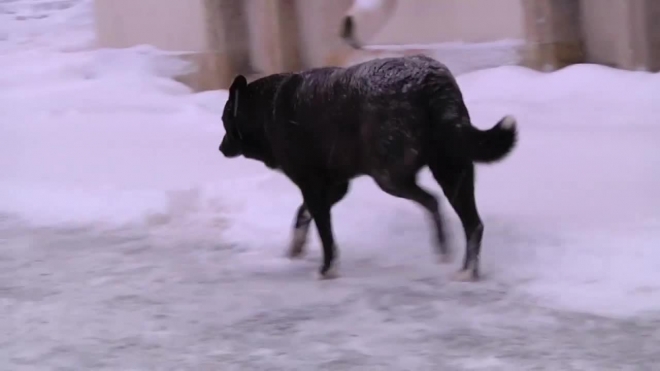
x: 128, y: 243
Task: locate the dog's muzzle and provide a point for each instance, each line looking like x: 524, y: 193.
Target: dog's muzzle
x: 229, y: 149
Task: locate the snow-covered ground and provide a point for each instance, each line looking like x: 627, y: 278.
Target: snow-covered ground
x: 127, y: 242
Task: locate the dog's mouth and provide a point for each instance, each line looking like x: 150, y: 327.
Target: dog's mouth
x: 229, y: 152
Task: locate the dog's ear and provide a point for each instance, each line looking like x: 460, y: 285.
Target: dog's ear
x: 236, y: 90
x: 240, y: 82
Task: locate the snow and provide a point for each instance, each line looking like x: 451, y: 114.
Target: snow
x: 129, y: 242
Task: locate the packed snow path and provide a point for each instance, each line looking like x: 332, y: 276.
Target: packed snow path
x: 128, y: 243
x: 137, y: 298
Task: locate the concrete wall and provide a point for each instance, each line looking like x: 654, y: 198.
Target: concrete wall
x: 225, y: 37
x: 553, y: 33
x: 319, y: 25
x: 187, y: 25
x: 439, y: 21
x: 616, y: 33
x: 167, y: 24
x: 652, y: 21
x: 209, y: 33
x: 425, y: 23
x: 293, y: 34
x: 274, y: 35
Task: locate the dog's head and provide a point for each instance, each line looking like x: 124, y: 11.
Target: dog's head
x: 243, y: 119
x: 234, y: 119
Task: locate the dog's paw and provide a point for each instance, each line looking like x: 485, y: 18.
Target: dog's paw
x: 295, y: 252
x: 297, y: 247
x: 329, y: 274
x: 465, y: 275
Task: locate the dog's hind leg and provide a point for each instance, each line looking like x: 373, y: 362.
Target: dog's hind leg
x: 303, y: 220
x: 457, y: 182
x: 408, y: 188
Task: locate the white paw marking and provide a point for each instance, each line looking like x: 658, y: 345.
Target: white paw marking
x: 298, y: 242
x: 508, y: 122
x: 331, y: 274
x: 464, y: 276
x: 295, y: 253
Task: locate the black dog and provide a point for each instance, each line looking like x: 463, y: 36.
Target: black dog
x: 386, y: 118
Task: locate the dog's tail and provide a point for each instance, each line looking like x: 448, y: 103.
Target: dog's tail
x: 494, y: 144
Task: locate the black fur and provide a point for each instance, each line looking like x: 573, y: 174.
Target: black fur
x: 386, y: 118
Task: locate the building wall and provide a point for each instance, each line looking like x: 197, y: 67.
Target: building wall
x: 197, y: 28
x: 417, y: 22
x: 167, y: 24
x: 607, y: 32
x: 202, y: 28
x: 553, y: 33
x: 439, y: 21
x: 319, y: 23
x: 621, y: 33
x: 652, y: 21
x: 225, y: 37
x: 274, y: 35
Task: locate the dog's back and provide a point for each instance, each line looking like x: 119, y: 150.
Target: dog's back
x: 369, y: 118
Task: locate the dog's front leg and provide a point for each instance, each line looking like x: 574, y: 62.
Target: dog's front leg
x: 317, y: 200
x: 301, y: 224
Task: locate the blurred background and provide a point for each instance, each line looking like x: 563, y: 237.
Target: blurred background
x: 255, y: 37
